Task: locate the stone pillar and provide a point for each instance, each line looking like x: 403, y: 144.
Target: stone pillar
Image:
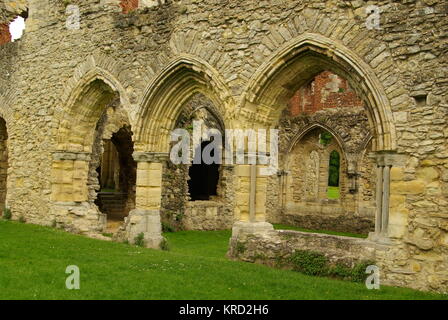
x: 71, y: 207
x: 69, y: 176
x: 145, y: 218
x: 379, y: 199
x: 385, y: 203
x: 250, y: 199
x: 385, y: 161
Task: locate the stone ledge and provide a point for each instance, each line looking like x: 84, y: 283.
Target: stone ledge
x: 64, y: 155
x: 150, y: 156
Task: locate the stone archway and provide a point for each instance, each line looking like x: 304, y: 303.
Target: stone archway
x: 73, y: 177
x: 112, y: 169
x: 295, y: 64
x: 159, y: 110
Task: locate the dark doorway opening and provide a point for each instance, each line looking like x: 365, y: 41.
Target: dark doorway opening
x: 117, y: 176
x: 204, y: 178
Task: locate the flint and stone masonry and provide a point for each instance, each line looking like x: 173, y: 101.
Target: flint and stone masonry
x: 147, y: 62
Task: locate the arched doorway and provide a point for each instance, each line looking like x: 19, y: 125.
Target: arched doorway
x: 203, y: 178
x: 112, y: 169
x: 117, y: 174
x: 93, y: 114
x: 323, y: 131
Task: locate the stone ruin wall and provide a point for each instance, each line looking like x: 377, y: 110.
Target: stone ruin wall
x: 326, y: 104
x: 178, y: 211
x: 408, y: 56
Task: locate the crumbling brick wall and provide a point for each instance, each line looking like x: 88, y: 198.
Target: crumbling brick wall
x: 326, y: 90
x: 5, y: 35
x: 129, y: 5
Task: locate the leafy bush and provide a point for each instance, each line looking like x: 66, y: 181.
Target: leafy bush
x: 240, y: 247
x: 316, y: 264
x: 341, y: 271
x: 139, y: 240
x: 359, y: 271
x: 166, y: 227
x: 7, y: 215
x: 164, y: 245
x: 308, y: 262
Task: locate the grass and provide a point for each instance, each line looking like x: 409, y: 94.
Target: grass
x: 333, y: 193
x: 336, y: 233
x: 33, y: 261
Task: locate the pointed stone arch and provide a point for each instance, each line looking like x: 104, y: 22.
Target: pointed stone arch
x: 312, y: 127
x: 302, y: 58
x: 165, y: 95
x: 84, y: 99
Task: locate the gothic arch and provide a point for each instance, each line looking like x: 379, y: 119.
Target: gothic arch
x: 304, y: 57
x: 83, y: 107
x: 165, y: 95
x: 312, y: 127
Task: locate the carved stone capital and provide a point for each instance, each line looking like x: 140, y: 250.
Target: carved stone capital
x: 389, y: 159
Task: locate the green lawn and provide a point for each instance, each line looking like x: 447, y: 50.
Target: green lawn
x: 33, y: 260
x: 333, y: 192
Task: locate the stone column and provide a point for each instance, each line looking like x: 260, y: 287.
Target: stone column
x: 71, y: 205
x: 145, y: 218
x: 69, y: 176
x: 379, y: 199
x: 250, y: 204
x: 385, y: 161
x: 385, y: 204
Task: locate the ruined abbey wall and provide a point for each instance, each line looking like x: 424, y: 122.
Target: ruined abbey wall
x: 249, y: 58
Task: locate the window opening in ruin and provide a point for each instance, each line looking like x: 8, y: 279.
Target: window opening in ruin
x: 333, y: 175
x: 204, y: 178
x: 17, y: 26
x: 325, y: 138
x: 117, y: 176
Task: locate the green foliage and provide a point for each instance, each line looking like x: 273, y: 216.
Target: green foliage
x: 310, y: 263
x: 7, y: 215
x: 166, y: 227
x: 164, y: 245
x: 240, y: 247
x: 22, y: 219
x: 333, y: 171
x: 325, y: 138
x: 54, y: 223
x: 107, y: 234
x: 316, y: 264
x: 139, y: 240
x: 333, y: 193
x: 358, y: 273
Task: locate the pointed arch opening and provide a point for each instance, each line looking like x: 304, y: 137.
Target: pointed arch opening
x: 169, y: 91
x: 93, y: 120
x: 298, y: 62
x: 334, y: 167
x: 323, y: 128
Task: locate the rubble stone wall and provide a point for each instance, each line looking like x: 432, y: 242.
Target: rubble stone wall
x: 250, y: 58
